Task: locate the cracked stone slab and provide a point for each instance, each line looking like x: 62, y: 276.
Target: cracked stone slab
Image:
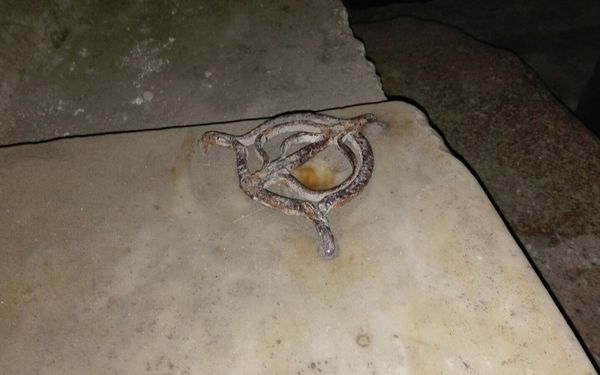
x: 131, y: 253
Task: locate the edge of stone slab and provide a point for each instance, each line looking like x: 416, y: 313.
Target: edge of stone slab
x: 362, y: 50
x: 423, y: 119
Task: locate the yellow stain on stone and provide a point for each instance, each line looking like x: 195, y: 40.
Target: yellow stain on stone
x: 316, y: 176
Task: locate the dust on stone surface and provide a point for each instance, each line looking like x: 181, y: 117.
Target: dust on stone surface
x: 156, y: 65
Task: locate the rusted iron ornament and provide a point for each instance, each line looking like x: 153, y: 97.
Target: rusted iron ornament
x: 316, y: 132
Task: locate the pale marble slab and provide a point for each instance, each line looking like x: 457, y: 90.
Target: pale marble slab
x: 136, y: 253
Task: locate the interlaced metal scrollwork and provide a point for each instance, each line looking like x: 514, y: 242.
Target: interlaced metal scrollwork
x: 316, y: 132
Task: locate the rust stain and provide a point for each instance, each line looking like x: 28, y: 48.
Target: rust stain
x: 340, y: 273
x: 315, y: 177
x: 182, y: 162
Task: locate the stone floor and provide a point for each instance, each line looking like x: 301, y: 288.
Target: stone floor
x: 86, y: 69
x: 137, y: 253
x: 539, y: 164
x: 100, y: 67
x: 559, y: 40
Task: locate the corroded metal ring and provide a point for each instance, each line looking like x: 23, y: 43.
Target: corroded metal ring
x: 318, y: 132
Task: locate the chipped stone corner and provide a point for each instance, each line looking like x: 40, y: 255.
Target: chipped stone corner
x: 360, y: 46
